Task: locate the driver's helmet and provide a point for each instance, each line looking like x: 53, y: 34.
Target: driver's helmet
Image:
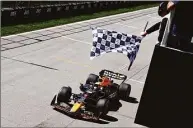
x: 104, y: 81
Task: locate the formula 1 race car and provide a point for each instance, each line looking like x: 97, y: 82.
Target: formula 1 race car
x: 99, y: 93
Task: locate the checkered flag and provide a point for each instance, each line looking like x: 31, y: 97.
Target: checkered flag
x: 105, y: 41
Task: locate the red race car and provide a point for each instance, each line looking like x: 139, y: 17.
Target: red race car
x: 99, y: 94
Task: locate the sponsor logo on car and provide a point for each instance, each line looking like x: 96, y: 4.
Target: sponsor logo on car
x: 114, y: 75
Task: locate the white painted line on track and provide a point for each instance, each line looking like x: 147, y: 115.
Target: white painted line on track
x: 124, y: 66
x: 119, y: 69
x: 137, y: 81
x: 77, y: 40
x: 153, y: 17
x: 126, y: 25
x: 73, y: 62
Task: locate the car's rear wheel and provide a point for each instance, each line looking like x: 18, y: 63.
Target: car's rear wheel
x: 64, y: 94
x: 102, y: 107
x: 124, y: 91
x: 92, y: 78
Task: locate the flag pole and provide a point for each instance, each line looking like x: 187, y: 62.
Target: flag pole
x: 146, y: 26
x: 130, y: 65
x: 144, y: 31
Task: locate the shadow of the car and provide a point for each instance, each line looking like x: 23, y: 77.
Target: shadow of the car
x: 115, y: 106
x: 131, y: 100
x: 109, y: 118
x: 89, y: 120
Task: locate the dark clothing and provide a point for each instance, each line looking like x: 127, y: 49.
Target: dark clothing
x: 156, y: 27
x: 183, y: 18
x: 153, y: 28
x: 179, y: 43
x: 182, y: 23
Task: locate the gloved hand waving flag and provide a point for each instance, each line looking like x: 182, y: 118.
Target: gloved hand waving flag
x: 105, y: 41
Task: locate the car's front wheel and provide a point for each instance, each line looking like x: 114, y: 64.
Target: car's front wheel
x: 64, y: 94
x: 102, y: 107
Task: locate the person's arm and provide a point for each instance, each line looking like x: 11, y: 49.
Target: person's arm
x: 171, y: 5
x: 153, y: 28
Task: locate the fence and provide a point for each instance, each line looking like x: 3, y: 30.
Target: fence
x: 28, y: 11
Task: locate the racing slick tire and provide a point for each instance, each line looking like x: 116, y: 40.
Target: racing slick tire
x: 124, y: 91
x: 64, y: 95
x: 102, y: 107
x: 92, y: 78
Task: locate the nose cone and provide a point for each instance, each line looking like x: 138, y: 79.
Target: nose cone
x: 75, y: 107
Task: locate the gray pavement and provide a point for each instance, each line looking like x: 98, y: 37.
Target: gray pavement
x: 35, y: 65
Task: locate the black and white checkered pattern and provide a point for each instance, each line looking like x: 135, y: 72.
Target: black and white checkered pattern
x: 105, y: 41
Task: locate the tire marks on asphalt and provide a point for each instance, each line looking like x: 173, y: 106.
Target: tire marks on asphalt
x: 31, y: 63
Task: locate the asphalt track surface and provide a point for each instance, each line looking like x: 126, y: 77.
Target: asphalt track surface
x: 35, y: 65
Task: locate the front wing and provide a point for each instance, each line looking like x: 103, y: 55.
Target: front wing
x: 66, y: 109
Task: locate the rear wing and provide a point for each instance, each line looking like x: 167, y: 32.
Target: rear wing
x: 112, y: 74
